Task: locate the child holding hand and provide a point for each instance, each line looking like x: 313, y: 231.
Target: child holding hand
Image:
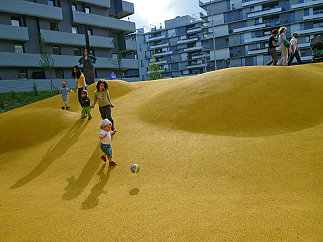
x: 105, y: 137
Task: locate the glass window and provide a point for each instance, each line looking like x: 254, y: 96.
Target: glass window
x: 77, y: 51
x: 254, y: 60
x: 15, y: 21
x: 59, y: 73
x: 142, y: 63
x: 87, y: 10
x: 287, y: 5
x: 302, y: 25
x: 252, y: 9
x: 74, y: 8
x: 240, y: 15
x: 56, y: 50
x: 90, y: 31
x: 243, y: 61
x: 75, y: 30
x: 22, y: 74
x: 228, y: 5
x: 301, y: 1
x: 225, y: 17
x: 257, y: 21
x: 19, y: 48
x: 53, y: 26
x: 51, y: 3
x: 292, y: 17
x: 306, y: 12
x: 245, y: 24
x: 241, y: 38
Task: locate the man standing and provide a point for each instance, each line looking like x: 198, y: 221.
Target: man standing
x: 272, y: 48
x: 294, y: 50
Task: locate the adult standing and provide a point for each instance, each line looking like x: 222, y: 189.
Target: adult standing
x: 294, y: 50
x: 283, y: 46
x: 88, y: 62
x: 80, y: 82
x: 272, y: 48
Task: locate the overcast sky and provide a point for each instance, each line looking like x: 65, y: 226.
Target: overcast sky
x: 156, y: 11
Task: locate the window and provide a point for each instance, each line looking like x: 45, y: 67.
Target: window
x: 241, y: 38
x: 87, y: 10
x: 90, y: 31
x: 91, y: 52
x: 306, y: 12
x: 287, y: 5
x: 301, y: 1
x: 245, y: 24
x: 53, y: 26
x: 225, y: 17
x: 59, y: 73
x: 77, y: 51
x: 142, y: 63
x: 140, y: 47
x: 307, y: 39
x: 292, y: 17
x: 56, y: 50
x: 15, y: 22
x: 257, y: 21
x: 22, y: 74
x: 240, y: 15
x: 243, y: 61
x: 228, y: 5
x: 254, y: 60
x: 75, y: 30
x: 51, y: 3
x: 74, y: 7
x: 252, y: 9
x: 302, y: 25
x: 19, y: 48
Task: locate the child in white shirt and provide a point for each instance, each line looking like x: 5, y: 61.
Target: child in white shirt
x: 105, y: 137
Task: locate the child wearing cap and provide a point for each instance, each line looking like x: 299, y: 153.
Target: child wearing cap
x: 64, y: 91
x: 105, y: 137
x: 85, y: 102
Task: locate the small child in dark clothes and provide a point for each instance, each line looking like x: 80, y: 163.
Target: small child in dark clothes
x: 85, y: 102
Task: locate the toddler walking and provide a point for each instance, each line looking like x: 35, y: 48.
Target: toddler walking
x: 105, y: 137
x: 85, y: 102
x: 64, y: 91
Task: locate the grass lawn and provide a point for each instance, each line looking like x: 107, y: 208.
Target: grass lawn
x: 12, y: 100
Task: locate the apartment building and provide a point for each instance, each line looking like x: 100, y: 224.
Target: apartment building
x: 68, y: 27
x: 177, y: 47
x: 239, y: 29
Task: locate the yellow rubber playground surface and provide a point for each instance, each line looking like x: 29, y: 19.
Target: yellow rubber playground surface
x: 231, y: 155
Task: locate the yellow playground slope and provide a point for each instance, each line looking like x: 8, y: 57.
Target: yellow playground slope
x: 234, y: 154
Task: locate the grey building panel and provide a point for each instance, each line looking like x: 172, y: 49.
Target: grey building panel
x: 127, y: 9
x: 32, y: 46
x: 103, y: 21
x: 31, y: 9
x: 8, y: 32
x: 101, y: 42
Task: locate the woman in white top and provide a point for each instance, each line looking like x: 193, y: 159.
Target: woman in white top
x: 282, y: 41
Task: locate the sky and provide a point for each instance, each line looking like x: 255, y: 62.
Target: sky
x: 154, y: 12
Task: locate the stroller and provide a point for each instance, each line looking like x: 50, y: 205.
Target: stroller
x: 317, y: 48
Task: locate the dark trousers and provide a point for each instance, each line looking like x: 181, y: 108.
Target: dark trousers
x: 298, y: 58
x: 273, y: 53
x: 106, y: 113
x: 79, y: 92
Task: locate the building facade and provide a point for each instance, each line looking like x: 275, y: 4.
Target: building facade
x: 68, y: 27
x: 177, y: 48
x: 239, y: 29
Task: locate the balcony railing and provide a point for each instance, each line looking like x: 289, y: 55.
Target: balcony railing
x: 187, y: 40
x: 159, y: 46
x: 317, y: 15
x: 63, y: 38
x: 258, y: 26
x: 263, y: 12
x: 246, y: 3
x: 8, y: 32
x: 159, y: 37
x: 164, y: 53
x: 306, y: 4
x: 100, y: 3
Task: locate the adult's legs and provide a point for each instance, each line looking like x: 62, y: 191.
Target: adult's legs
x: 291, y: 58
x: 274, y: 56
x: 284, y: 59
x: 79, y: 91
x: 298, y: 58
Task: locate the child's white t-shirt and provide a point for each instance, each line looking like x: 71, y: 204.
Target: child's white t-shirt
x: 106, y: 140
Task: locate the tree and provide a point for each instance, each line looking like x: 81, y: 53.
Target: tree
x: 46, y: 62
x: 155, y: 71
x: 117, y: 61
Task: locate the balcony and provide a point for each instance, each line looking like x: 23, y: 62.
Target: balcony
x: 193, y: 49
x: 101, y: 42
x: 11, y: 59
x: 315, y: 16
x: 306, y: 4
x: 309, y: 31
x: 31, y: 9
x: 265, y: 12
x: 63, y: 38
x: 159, y: 62
x: 195, y: 30
x: 131, y: 45
x: 203, y: 3
x: 164, y: 53
x: 99, y: 3
x: 247, y: 3
x: 8, y: 32
x: 195, y: 66
x: 103, y: 22
x: 184, y: 41
x: 258, y: 39
x: 248, y: 28
x: 200, y: 57
x: 259, y: 51
x: 159, y: 37
x: 126, y: 9
x: 159, y: 46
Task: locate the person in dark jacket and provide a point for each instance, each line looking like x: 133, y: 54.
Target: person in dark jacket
x: 85, y: 102
x: 88, y: 62
x: 272, y: 48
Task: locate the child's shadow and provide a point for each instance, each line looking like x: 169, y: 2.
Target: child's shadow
x: 53, y: 153
x: 93, y: 199
x: 75, y: 187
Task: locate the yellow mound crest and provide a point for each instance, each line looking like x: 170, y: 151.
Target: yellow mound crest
x: 248, y: 101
